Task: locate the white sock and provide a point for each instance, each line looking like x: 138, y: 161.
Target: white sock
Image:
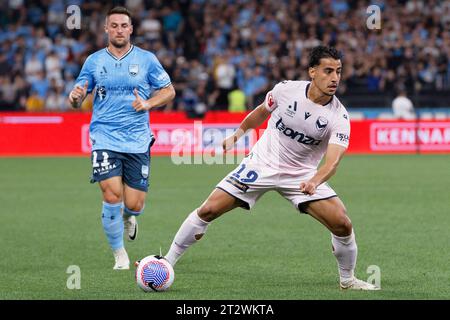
x: 190, y: 232
x: 120, y: 252
x: 121, y: 255
x: 345, y: 251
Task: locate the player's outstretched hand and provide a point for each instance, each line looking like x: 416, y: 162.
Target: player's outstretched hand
x: 139, y: 104
x: 229, y: 142
x: 77, y: 95
x: 308, y: 187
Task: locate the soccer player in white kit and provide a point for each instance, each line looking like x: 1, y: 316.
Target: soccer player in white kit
x: 307, y: 122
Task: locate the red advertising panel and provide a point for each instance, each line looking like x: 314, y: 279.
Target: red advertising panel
x: 52, y: 134
x: 401, y: 136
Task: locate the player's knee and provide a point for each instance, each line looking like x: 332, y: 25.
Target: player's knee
x: 208, y: 211
x: 135, y: 208
x: 343, y: 226
x: 111, y: 197
x: 138, y: 206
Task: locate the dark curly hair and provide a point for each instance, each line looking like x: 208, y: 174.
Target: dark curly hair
x: 320, y: 52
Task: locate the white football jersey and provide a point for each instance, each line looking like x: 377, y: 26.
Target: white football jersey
x: 299, y: 130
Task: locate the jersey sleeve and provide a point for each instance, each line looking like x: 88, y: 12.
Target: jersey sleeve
x: 340, y: 134
x: 87, y: 73
x: 271, y: 98
x: 157, y: 76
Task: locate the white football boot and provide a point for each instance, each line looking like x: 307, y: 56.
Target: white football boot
x: 356, y: 284
x: 121, y: 258
x: 130, y: 226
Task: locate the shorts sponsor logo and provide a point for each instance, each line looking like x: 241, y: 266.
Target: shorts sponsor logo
x: 104, y: 169
x: 102, y: 165
x: 235, y: 182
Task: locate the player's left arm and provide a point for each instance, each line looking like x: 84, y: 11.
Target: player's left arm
x: 333, y: 156
x: 159, y: 98
x: 159, y: 80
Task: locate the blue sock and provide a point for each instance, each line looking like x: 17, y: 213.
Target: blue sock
x: 131, y: 212
x: 113, y: 224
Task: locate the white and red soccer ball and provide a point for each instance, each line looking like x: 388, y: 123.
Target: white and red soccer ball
x: 154, y: 273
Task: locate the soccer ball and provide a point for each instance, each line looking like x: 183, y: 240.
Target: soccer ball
x: 153, y: 273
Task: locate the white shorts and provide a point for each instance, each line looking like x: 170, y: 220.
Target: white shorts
x: 250, y: 180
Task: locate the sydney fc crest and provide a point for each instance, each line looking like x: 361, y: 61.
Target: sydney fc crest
x: 133, y: 69
x: 144, y: 171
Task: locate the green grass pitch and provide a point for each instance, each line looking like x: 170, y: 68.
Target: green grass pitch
x: 399, y: 206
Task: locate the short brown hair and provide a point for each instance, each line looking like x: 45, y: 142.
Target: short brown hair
x: 119, y: 10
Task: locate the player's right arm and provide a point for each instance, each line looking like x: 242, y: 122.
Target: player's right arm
x: 84, y: 83
x: 78, y: 94
x: 255, y: 118
x: 333, y: 156
x: 252, y: 121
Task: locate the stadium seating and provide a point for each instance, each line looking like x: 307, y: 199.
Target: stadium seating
x: 262, y: 43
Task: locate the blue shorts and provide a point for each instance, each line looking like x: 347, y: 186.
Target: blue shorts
x: 134, y: 168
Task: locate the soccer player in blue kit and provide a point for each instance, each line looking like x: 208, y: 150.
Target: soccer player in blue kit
x: 126, y: 82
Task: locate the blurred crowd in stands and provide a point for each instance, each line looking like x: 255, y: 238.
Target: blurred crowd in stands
x: 226, y: 54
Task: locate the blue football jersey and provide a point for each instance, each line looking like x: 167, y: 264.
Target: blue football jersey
x: 115, y: 125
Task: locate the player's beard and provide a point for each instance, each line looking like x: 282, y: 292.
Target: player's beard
x: 118, y: 44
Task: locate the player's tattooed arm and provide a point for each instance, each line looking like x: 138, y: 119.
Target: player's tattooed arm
x: 160, y: 98
x: 252, y: 121
x: 326, y: 171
